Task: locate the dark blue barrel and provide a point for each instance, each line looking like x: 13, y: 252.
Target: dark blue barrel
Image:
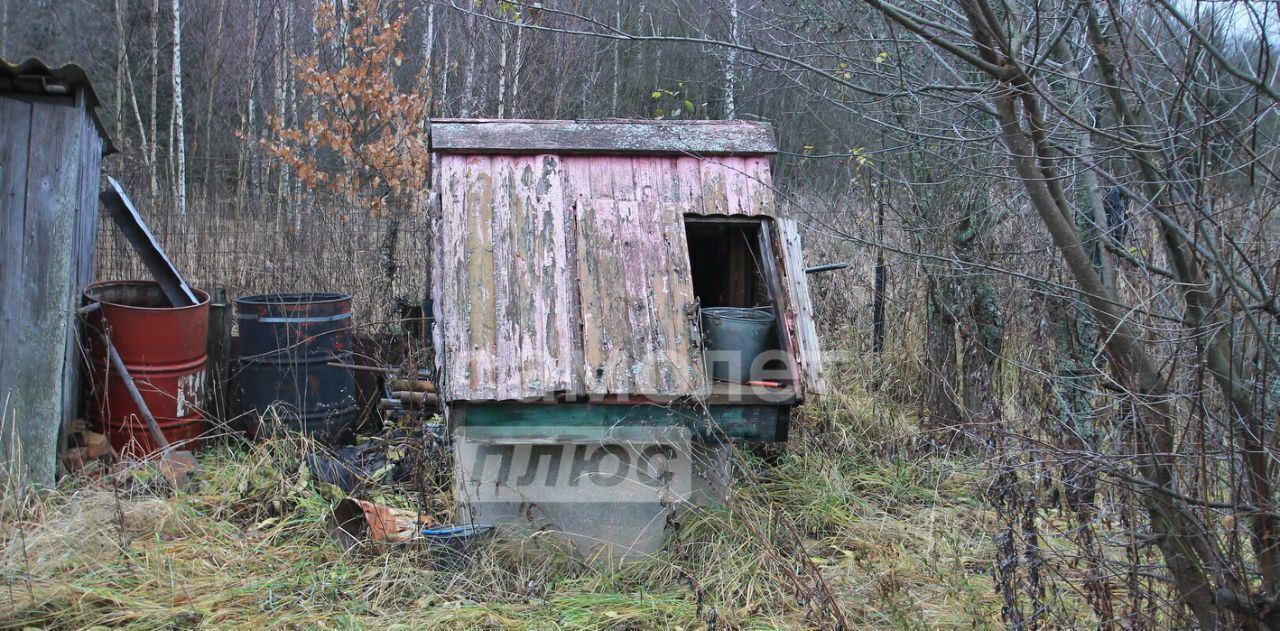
x: 287, y: 343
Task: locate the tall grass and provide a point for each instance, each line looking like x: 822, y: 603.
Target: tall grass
x: 898, y: 540
x: 900, y: 536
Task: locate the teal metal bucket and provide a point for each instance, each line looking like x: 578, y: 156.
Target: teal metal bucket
x: 734, y: 338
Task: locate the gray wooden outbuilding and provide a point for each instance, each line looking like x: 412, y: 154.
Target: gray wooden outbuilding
x: 51, y: 149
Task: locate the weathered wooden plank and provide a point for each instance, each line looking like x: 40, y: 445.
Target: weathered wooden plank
x: 685, y: 195
x: 503, y: 232
x: 772, y: 270
x: 573, y: 172
x: 616, y: 326
x: 528, y: 302
x: 809, y: 350
x: 634, y: 330
x: 651, y: 230
x: 15, y: 137
x: 90, y: 172
x: 622, y: 174
x: 452, y: 289
x: 737, y: 186
x: 731, y: 185
x: 661, y: 222
x: 537, y: 298
x: 577, y: 178
x: 479, y: 259
x: 15, y: 134
x: 558, y: 292
x: 688, y: 186
x: 439, y: 281
x: 608, y: 251
x: 715, y: 196
x: 600, y: 181
x: 629, y: 248
x: 464, y: 355
x: 595, y: 205
x: 687, y: 371
x: 597, y: 303
x: 760, y: 186
x: 86, y: 234
x: 695, y: 138
x: 47, y: 269
x: 435, y: 231
x: 592, y: 305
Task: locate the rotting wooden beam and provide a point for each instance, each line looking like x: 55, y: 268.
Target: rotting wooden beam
x: 689, y: 138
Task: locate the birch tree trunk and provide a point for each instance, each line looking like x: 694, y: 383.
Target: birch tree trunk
x: 288, y: 181
x: 428, y: 47
x: 515, y: 69
x: 445, y: 75
x: 503, y: 36
x: 731, y: 64
x: 155, y: 88
x: 180, y: 176
x: 245, y: 168
x: 137, y: 110
x: 170, y: 164
x: 469, y: 74
x: 207, y: 145
x: 120, y: 57
x: 617, y: 59
x: 276, y: 86
x: 281, y: 89
x: 344, y: 29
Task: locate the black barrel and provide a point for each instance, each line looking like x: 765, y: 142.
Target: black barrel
x: 287, y: 342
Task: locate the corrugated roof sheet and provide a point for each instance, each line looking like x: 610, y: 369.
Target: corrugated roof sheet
x: 35, y: 77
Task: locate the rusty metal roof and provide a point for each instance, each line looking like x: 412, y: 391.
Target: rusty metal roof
x: 35, y: 77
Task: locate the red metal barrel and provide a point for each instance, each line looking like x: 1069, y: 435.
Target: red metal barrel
x: 164, y: 349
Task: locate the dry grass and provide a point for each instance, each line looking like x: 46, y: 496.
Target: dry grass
x: 902, y: 544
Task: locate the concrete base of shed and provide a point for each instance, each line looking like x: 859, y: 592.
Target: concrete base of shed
x: 611, y: 498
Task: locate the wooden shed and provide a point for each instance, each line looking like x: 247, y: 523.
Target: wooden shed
x: 51, y: 147
x: 572, y: 258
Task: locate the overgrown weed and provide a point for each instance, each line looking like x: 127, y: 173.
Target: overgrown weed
x: 901, y: 542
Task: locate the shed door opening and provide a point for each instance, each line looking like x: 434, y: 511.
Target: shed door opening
x: 731, y: 267
x: 725, y: 261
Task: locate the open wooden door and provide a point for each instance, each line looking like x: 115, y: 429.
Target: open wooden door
x: 639, y: 314
x: 796, y: 288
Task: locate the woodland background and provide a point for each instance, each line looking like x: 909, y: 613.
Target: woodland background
x: 1060, y: 214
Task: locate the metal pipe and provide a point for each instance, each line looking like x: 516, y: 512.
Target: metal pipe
x: 825, y: 267
x: 117, y: 363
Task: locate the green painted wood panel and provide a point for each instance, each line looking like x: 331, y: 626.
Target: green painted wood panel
x: 755, y: 423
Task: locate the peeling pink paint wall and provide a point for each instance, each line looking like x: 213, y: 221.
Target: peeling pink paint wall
x: 570, y: 273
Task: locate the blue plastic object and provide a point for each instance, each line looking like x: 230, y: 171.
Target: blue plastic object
x: 451, y: 546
